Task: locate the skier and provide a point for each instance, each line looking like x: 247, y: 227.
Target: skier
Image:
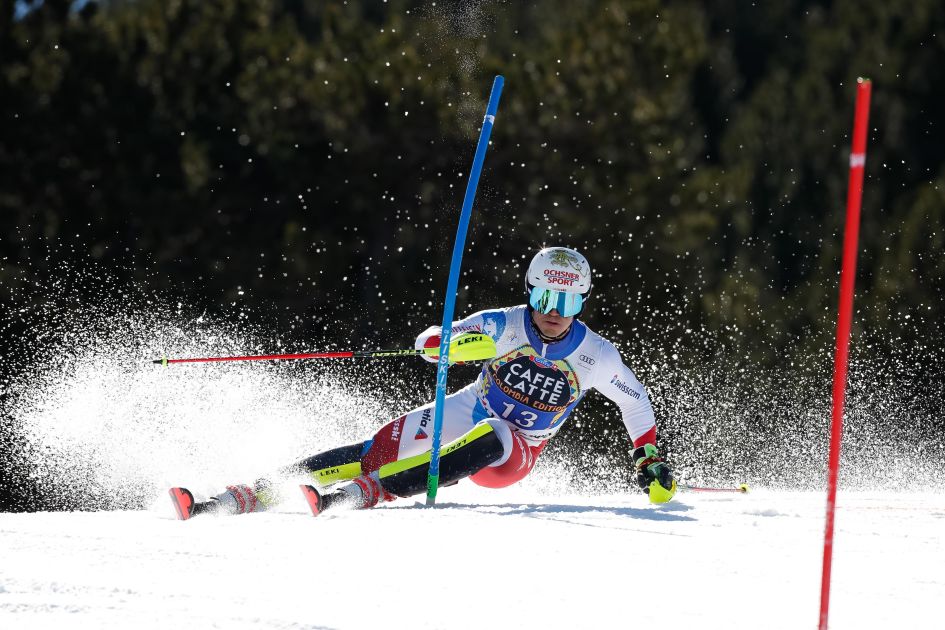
x: 495, y: 428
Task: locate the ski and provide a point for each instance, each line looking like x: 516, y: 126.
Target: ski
x: 183, y: 502
x: 313, y: 498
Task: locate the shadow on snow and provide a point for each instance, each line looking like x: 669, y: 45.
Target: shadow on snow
x: 664, y: 513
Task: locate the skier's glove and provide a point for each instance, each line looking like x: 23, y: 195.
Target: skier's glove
x: 653, y: 474
x: 431, y: 342
x: 434, y: 342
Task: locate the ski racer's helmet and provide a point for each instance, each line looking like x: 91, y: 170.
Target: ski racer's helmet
x: 558, y: 278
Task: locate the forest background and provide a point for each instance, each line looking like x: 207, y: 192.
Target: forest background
x: 296, y: 168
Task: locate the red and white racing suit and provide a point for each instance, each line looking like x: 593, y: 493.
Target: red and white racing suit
x: 526, y: 392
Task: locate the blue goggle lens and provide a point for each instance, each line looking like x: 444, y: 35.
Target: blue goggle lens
x: 546, y: 300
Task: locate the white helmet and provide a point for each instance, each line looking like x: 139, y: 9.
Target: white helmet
x: 558, y: 270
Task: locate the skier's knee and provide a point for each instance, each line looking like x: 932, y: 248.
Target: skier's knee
x: 515, y: 467
x: 474, y: 450
x: 504, y: 433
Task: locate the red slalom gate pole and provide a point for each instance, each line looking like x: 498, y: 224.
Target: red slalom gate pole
x: 844, y: 318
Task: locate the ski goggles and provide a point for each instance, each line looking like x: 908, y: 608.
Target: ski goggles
x: 546, y: 300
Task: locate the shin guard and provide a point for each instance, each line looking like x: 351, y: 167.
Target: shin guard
x: 462, y: 457
x: 338, y: 464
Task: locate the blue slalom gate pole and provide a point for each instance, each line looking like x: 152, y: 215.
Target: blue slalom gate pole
x: 433, y: 477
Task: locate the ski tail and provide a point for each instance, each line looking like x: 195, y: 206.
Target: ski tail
x: 183, y: 502
x: 313, y: 498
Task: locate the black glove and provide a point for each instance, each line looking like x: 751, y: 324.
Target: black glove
x: 653, y: 474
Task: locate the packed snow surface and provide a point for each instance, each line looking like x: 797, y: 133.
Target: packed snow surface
x: 513, y: 558
x: 98, y: 426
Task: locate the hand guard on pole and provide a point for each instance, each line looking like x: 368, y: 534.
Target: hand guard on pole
x: 428, y: 345
x: 467, y: 346
x: 654, y: 475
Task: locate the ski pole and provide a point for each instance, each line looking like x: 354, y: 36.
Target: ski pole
x: 742, y: 488
x: 466, y: 347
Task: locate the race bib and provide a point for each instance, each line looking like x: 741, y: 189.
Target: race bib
x: 529, y: 390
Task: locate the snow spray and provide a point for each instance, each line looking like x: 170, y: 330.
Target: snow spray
x: 93, y: 424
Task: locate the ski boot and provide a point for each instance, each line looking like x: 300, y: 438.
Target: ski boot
x: 362, y: 493
x: 236, y: 500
